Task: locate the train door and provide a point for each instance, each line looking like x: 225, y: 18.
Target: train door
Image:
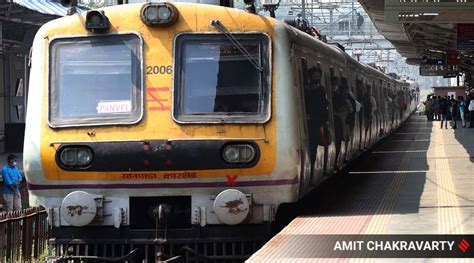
x: 373, y: 101
x: 367, y: 114
x: 381, y: 111
x: 299, y: 65
x: 378, y: 110
x: 316, y: 112
x: 339, y: 110
x: 344, y: 109
x: 353, y: 119
x: 383, y: 99
x: 392, y: 108
x: 360, y: 115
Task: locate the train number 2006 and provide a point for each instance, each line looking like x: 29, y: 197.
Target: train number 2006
x: 159, y: 70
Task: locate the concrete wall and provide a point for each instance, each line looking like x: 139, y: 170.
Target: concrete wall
x: 13, y: 86
x: 459, y: 91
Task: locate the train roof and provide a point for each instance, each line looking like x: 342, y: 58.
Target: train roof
x: 334, y: 52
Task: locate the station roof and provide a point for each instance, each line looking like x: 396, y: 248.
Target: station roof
x: 425, y: 29
x: 31, y: 12
x: 44, y: 6
x: 20, y: 19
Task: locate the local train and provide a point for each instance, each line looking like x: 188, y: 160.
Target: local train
x: 146, y: 119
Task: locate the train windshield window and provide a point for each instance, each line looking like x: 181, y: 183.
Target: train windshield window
x: 95, y: 81
x: 216, y: 82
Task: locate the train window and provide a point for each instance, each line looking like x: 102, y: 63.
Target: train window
x: 218, y: 80
x: 95, y: 81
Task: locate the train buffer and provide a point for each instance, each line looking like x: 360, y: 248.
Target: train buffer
x: 419, y: 181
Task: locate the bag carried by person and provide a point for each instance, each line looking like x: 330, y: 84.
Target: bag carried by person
x: 325, y: 138
x: 471, y: 105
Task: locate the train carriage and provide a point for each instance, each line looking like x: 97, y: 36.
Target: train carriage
x: 189, y: 118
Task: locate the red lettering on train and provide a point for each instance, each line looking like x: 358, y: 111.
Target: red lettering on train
x: 179, y: 175
x: 160, y: 103
x: 130, y: 176
x: 145, y: 176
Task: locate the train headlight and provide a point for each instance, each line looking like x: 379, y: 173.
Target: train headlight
x: 96, y: 20
x: 84, y: 156
x: 77, y: 156
x: 239, y: 153
x: 159, y: 14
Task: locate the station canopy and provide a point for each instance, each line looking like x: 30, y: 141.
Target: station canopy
x: 427, y: 31
x: 31, y: 12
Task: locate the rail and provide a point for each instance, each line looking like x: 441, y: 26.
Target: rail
x: 23, y: 234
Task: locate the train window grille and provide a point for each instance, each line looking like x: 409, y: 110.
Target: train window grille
x: 216, y: 82
x: 95, y: 80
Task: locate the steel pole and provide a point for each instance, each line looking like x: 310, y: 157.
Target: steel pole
x: 331, y: 26
x: 303, y: 9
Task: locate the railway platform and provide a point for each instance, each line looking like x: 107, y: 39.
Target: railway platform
x: 417, y: 181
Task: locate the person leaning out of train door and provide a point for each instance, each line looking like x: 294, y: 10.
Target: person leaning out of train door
x: 342, y: 108
x: 317, y: 111
x: 374, y: 105
x: 356, y: 106
x: 367, y: 105
x: 11, y: 184
x: 402, y: 105
x: 392, y: 107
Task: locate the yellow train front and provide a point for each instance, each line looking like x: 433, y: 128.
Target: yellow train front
x: 151, y: 115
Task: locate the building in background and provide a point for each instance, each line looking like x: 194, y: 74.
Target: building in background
x: 450, y: 91
x: 19, y: 22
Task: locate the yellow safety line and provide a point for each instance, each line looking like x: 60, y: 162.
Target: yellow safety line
x: 449, y: 218
x: 379, y: 222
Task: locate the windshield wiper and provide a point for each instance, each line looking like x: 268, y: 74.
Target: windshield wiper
x: 219, y: 26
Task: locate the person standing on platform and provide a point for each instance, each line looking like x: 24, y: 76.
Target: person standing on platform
x: 462, y: 110
x: 435, y: 107
x: 429, y: 108
x: 471, y: 113
x: 443, y: 111
x: 11, y: 184
x: 454, y: 112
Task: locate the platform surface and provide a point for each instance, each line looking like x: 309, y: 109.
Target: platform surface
x: 419, y: 180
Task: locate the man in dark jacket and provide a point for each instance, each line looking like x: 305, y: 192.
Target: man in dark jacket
x: 317, y: 112
x: 443, y: 110
x: 454, y: 112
